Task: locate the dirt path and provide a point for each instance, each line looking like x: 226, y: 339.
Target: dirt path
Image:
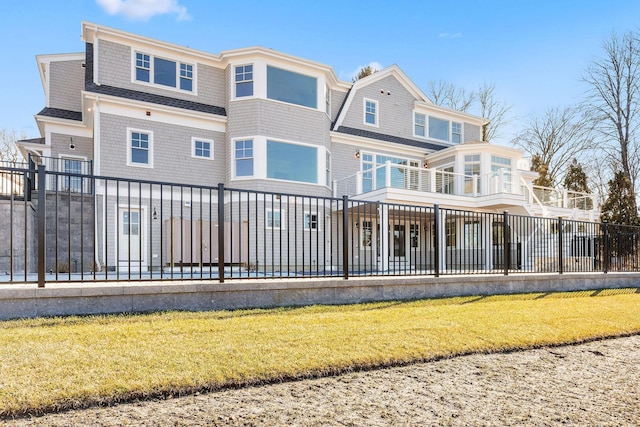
x: 590, y: 384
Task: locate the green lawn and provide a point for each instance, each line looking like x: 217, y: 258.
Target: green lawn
x: 57, y: 363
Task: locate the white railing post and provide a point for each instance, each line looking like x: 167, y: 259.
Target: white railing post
x: 565, y: 199
x: 432, y: 180
x: 387, y: 174
x: 501, y: 180
x: 334, y: 186
x: 359, y: 178
x: 475, y: 185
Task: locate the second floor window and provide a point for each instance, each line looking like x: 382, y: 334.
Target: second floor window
x: 202, y: 148
x: 164, y: 72
x: 419, y: 124
x: 244, y: 80
x: 244, y: 157
x: 371, y: 112
x: 140, y: 146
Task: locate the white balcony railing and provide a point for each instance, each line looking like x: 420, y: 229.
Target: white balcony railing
x: 500, y: 182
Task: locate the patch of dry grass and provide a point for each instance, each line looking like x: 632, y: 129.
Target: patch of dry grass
x: 58, y: 363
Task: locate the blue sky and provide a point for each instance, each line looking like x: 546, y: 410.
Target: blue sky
x: 534, y: 52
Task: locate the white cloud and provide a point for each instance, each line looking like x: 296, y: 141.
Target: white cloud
x: 373, y: 64
x: 449, y: 35
x: 141, y: 10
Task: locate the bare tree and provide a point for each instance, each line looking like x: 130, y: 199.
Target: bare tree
x: 8, y: 150
x: 612, y: 100
x: 448, y: 95
x: 493, y: 109
x: 557, y: 137
x: 484, y: 102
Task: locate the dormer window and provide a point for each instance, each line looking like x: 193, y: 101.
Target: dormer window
x: 164, y: 72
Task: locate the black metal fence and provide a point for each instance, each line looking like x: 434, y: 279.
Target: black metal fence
x: 115, y: 229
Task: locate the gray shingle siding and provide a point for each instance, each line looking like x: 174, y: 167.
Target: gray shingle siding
x: 472, y: 132
x: 115, y: 69
x: 172, y: 161
x: 60, y: 146
x: 395, y: 111
x: 66, y: 81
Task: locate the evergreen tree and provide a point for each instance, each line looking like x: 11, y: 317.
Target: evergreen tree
x: 576, y: 180
x: 620, y: 206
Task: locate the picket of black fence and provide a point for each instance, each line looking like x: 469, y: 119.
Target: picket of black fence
x: 61, y: 226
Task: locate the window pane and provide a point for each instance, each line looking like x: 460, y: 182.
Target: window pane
x: 438, y: 129
x: 139, y: 156
x: 164, y: 72
x: 142, y: 75
x: 294, y: 88
x: 244, y: 89
x: 292, y: 162
x: 186, y: 84
x: 244, y: 167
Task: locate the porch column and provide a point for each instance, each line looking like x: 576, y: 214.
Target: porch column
x: 432, y: 180
x: 383, y: 221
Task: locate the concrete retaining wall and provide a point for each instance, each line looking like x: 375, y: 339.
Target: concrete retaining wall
x: 19, y: 301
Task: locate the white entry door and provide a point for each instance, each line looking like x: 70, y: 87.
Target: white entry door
x: 130, y: 238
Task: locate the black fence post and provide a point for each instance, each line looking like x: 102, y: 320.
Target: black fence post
x: 507, y: 242
x: 607, y: 251
x: 345, y: 236
x: 221, y: 254
x: 560, y: 246
x: 436, y: 240
x: 42, y: 225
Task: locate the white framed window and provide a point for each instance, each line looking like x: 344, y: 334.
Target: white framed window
x: 310, y: 221
x: 291, y: 87
x: 471, y: 170
x: 243, y: 157
x: 450, y: 233
x: 139, y: 148
x: 163, y: 72
x: 73, y: 165
x: 419, y: 121
x: 274, y: 219
x: 244, y: 80
x: 414, y: 236
x: 327, y: 166
x: 472, y: 234
x: 456, y: 132
x: 292, y: 162
x: 202, y: 148
x: 327, y: 100
x: 370, y: 112
x: 443, y: 130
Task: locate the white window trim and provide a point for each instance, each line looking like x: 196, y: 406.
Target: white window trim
x: 282, y: 216
x: 327, y: 100
x: 233, y: 158
x: 426, y: 130
x: 139, y: 165
x: 152, y: 55
x: 304, y: 223
x: 193, y: 148
x: 364, y: 112
x: 64, y: 157
x: 426, y: 125
x: 233, y: 81
x: 319, y: 161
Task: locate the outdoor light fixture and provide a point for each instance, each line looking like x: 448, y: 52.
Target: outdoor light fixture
x: 357, y: 154
x: 72, y: 146
x: 425, y: 165
x: 357, y: 225
x: 155, y: 214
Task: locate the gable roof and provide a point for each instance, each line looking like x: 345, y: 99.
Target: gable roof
x: 392, y: 70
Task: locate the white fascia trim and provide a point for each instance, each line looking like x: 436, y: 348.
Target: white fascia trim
x: 91, y: 31
x: 160, y: 113
x: 484, y: 147
x: 367, y: 144
x: 47, y: 122
x: 289, y: 62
